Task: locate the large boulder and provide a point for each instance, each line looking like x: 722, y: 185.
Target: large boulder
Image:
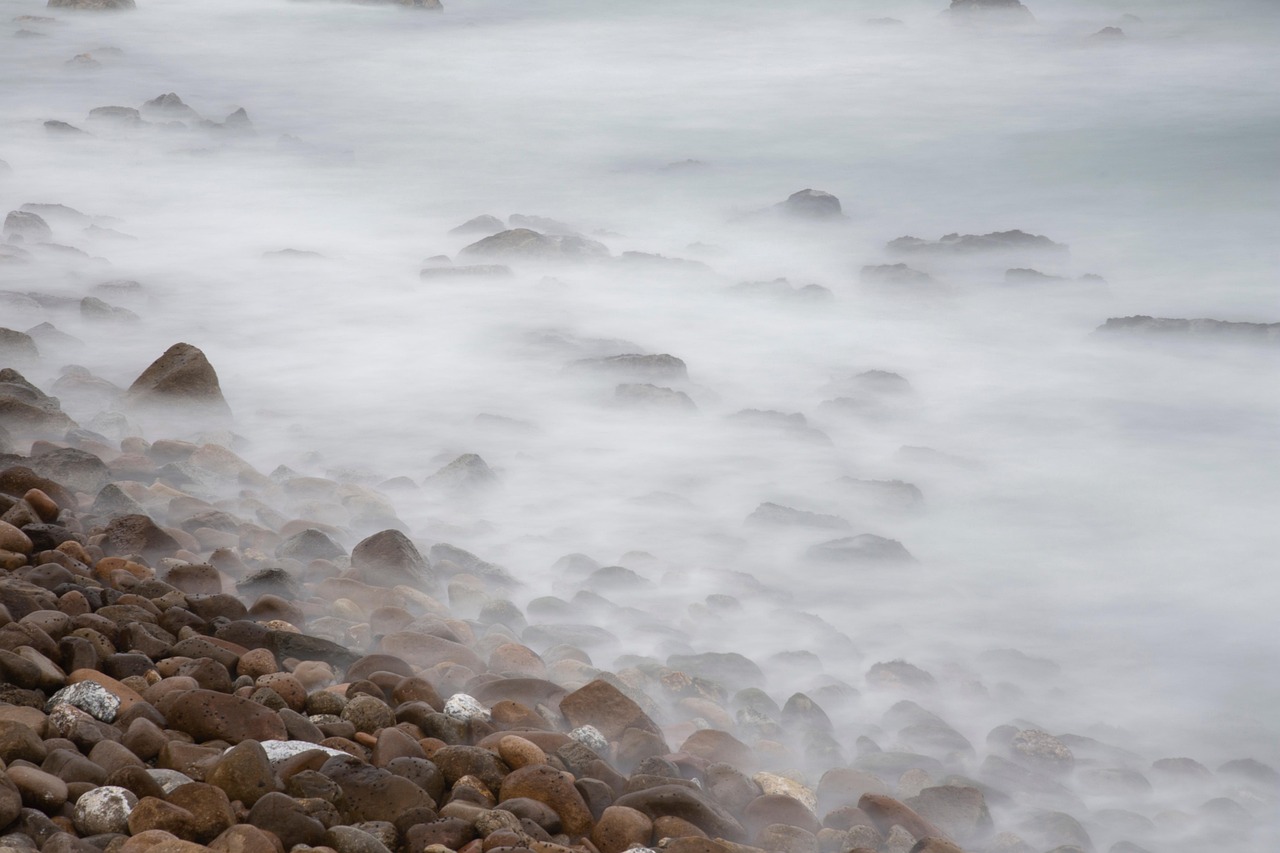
x: 26, y: 410
x: 183, y: 384
x: 389, y: 558
x: 26, y: 226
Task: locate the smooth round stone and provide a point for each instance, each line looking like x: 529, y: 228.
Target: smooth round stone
x: 104, y: 810
x: 169, y: 780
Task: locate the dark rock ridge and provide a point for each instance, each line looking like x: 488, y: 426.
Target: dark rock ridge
x: 960, y: 244
x: 990, y: 10
x: 1200, y: 329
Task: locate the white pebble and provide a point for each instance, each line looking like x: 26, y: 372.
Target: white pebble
x: 103, y: 810
x: 463, y: 708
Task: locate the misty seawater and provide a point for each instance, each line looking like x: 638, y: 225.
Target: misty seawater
x: 1102, y: 502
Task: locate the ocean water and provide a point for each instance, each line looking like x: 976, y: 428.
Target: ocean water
x: 1103, y: 502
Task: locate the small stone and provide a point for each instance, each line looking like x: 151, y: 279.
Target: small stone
x: 464, y: 708
x: 591, y: 737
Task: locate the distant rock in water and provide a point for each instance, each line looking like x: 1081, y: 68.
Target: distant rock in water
x: 181, y: 380
x: 1109, y: 34
x: 526, y: 244
x: 777, y: 515
x: 543, y: 224
x: 467, y: 474
x: 959, y: 244
x: 643, y: 395
x: 659, y: 366
x: 780, y: 288
x: 94, y: 5
x: 1201, y: 328
x: 888, y: 494
x: 997, y: 11
x: 811, y: 204
x: 26, y: 226
x: 465, y: 271
x: 863, y: 548
x: 899, y: 280
x: 169, y: 105
x: 483, y: 224
x: 61, y: 128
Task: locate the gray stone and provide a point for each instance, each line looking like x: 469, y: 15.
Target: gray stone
x: 103, y: 810
x: 88, y: 696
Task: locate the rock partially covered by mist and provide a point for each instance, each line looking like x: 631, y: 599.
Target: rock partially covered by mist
x: 95, y: 5
x: 644, y: 395
x: 863, y: 548
x: 1201, y: 328
x: 389, y: 558
x: 17, y: 347
x: 469, y: 474
x: 169, y: 106
x: 181, y: 382
x: 527, y: 244
x: 482, y: 224
x: 777, y: 515
x: 26, y: 226
x: 897, y: 278
x: 656, y: 366
x: 962, y: 244
x: 811, y: 204
x: 26, y: 410
x: 1003, y: 11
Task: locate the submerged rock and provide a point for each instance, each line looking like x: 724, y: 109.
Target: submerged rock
x: 527, y: 244
x: 771, y: 514
x: 865, y: 547
x: 657, y: 366
x: 811, y: 204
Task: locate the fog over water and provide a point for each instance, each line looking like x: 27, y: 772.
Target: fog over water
x: 1106, y: 502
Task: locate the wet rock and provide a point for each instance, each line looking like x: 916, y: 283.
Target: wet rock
x: 244, y: 773
x: 607, y: 708
x: 308, y: 545
x: 887, y: 812
x: 1042, y: 751
x: 284, y: 817
x: 181, y: 378
x: 372, y: 793
x: 961, y: 812
x: 1054, y: 829
x: 619, y: 828
x: 389, y: 558
x: 206, y: 715
x: 687, y: 804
